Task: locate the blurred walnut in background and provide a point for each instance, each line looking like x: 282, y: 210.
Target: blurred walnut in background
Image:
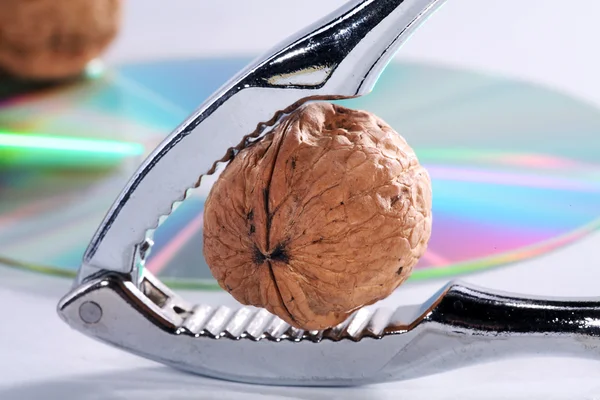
x: 54, y: 39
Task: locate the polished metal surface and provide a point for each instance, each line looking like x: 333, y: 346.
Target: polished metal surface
x: 117, y: 302
x: 459, y: 326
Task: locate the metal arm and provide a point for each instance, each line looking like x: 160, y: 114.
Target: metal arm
x: 459, y: 326
x: 339, y: 57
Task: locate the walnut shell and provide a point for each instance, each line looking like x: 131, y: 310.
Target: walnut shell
x: 327, y: 213
x: 54, y: 39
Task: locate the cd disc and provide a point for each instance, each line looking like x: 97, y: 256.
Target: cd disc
x: 514, y: 166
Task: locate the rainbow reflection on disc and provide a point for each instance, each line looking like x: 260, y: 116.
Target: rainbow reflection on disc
x: 514, y: 166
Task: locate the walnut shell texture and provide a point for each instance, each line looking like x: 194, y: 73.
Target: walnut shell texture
x: 55, y: 39
x: 327, y: 213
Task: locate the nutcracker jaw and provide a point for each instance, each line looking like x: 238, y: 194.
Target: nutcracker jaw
x: 459, y: 326
x: 118, y: 302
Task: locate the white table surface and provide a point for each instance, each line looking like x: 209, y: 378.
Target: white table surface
x: 541, y: 41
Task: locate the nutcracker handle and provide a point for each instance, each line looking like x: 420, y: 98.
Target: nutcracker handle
x: 340, y: 56
x: 461, y: 325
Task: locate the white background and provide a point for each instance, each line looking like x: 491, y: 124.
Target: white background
x: 554, y: 43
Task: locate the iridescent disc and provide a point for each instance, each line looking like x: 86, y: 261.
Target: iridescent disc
x: 515, y: 167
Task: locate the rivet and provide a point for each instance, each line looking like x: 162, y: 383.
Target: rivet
x: 90, y: 312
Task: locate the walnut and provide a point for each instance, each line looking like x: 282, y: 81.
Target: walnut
x: 54, y: 39
x: 326, y: 214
